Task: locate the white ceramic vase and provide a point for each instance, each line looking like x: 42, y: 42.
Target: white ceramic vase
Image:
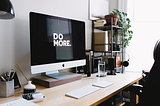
x: 29, y: 88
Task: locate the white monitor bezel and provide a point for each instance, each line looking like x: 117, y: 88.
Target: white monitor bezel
x: 57, y: 66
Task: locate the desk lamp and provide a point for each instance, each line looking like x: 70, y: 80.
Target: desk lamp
x: 6, y: 10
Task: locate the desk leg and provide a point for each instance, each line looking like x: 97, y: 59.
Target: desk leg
x: 134, y: 99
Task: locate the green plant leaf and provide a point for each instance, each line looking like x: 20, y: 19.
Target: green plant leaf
x: 125, y: 23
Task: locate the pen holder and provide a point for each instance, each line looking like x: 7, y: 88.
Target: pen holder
x: 6, y: 88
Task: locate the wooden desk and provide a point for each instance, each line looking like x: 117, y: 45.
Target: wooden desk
x: 56, y: 96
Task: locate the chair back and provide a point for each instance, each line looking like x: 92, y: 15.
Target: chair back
x: 156, y: 52
x: 151, y: 87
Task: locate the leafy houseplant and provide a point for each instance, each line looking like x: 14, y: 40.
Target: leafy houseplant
x: 124, y: 22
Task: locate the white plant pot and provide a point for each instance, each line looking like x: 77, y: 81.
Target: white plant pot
x: 29, y: 88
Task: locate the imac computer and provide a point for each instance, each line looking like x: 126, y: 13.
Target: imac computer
x: 56, y: 43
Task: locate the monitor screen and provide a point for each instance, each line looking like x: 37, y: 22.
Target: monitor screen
x: 55, y: 43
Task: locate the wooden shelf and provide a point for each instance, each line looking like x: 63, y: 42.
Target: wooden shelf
x: 106, y: 28
x: 101, y: 46
x: 107, y: 51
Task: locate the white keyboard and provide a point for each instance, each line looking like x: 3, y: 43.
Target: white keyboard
x: 82, y: 91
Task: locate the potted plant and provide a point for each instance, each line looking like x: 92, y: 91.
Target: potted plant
x: 108, y: 19
x: 124, y: 22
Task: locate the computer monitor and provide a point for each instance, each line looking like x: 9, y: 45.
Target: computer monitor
x: 55, y: 43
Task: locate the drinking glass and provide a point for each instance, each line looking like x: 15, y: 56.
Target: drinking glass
x: 101, y: 69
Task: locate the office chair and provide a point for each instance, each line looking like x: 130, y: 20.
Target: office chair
x: 149, y: 93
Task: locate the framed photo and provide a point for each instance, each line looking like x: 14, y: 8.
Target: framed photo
x: 98, y: 8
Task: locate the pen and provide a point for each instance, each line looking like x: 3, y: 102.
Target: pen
x: 6, y: 76
x: 12, y: 75
x: 9, y: 74
x: 2, y: 78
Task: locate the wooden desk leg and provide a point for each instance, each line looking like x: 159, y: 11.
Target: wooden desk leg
x: 134, y: 99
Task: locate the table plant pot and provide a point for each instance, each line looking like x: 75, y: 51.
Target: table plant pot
x: 29, y: 88
x: 114, y: 17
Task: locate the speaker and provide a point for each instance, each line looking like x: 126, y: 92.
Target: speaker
x: 87, y: 66
x: 126, y: 63
x: 111, y: 63
x: 111, y: 66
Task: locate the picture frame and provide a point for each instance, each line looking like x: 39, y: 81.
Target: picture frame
x: 98, y: 8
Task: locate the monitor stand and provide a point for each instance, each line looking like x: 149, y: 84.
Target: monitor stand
x: 48, y: 80
x: 57, y: 75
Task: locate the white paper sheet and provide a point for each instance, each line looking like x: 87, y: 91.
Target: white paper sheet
x: 19, y: 102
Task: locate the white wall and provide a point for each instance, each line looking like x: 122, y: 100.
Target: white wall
x: 14, y: 33
x: 142, y: 45
x: 113, y: 4
x: 146, y: 33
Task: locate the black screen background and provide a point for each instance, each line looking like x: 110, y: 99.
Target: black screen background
x: 41, y: 45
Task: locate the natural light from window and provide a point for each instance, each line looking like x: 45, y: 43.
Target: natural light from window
x: 144, y: 15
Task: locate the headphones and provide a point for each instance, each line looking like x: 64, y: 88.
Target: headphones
x: 125, y: 63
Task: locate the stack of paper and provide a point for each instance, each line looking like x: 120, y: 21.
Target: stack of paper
x: 19, y: 102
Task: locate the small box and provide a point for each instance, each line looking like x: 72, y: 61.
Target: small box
x: 101, y: 38
x: 98, y: 24
x: 118, y: 100
x: 6, y: 88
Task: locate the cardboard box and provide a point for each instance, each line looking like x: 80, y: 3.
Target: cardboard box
x: 98, y: 24
x: 101, y: 38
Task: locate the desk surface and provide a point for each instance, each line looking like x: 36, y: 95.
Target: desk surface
x: 55, y: 96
